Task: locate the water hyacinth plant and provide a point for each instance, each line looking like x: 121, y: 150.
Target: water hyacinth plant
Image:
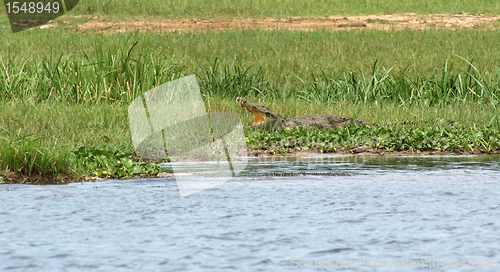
x: 109, y: 162
x: 380, y: 139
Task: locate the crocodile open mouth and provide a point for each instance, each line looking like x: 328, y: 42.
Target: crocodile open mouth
x: 258, y: 118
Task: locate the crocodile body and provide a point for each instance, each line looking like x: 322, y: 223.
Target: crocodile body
x: 266, y: 118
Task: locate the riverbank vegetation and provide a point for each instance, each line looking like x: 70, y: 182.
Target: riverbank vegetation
x: 64, y: 93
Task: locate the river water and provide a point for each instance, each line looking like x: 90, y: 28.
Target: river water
x: 368, y: 214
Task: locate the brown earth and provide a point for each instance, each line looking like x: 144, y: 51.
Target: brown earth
x: 8, y: 176
x: 378, y: 22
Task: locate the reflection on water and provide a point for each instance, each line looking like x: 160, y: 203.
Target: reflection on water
x: 369, y: 164
x: 415, y: 209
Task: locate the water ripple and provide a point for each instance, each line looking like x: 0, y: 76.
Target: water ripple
x: 394, y: 208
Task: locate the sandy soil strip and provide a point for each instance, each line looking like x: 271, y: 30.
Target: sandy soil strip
x: 377, y: 22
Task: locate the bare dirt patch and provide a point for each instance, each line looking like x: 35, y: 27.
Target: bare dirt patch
x: 378, y: 22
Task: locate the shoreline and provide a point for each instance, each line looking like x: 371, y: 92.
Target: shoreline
x: 9, y: 177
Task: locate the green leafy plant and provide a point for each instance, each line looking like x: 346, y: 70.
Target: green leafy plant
x: 109, y: 162
x: 383, y: 138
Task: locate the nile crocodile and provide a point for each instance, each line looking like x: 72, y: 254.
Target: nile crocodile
x: 266, y: 118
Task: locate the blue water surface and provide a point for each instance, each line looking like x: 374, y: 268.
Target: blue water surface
x: 368, y: 214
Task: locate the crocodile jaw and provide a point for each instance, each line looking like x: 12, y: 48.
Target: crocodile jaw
x: 258, y: 118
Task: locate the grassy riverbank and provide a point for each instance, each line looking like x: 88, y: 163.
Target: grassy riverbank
x: 61, y: 129
x: 64, y: 92
x: 55, y: 142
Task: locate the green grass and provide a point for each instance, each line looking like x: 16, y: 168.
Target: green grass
x: 24, y: 154
x: 66, y: 126
x: 64, y: 93
x: 275, y: 8
x: 282, y: 54
x: 118, y: 79
x: 58, y: 125
x: 405, y: 67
